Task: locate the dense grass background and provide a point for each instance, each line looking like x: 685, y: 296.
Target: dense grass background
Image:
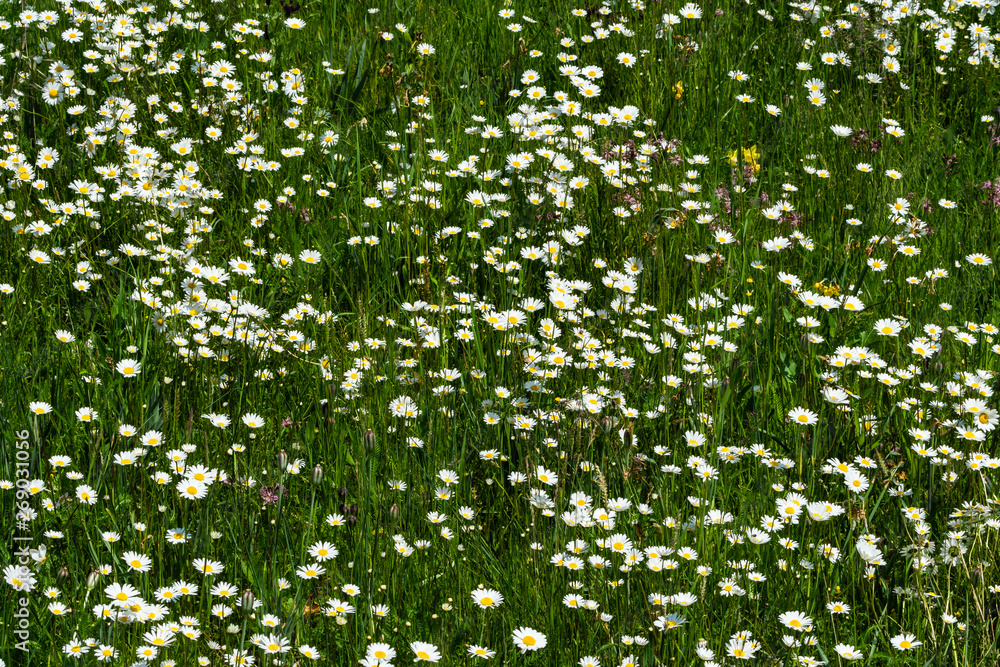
x: 407, y: 265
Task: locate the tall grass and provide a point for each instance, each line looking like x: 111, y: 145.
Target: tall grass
x: 666, y: 354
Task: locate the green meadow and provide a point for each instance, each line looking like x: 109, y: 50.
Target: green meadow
x: 615, y: 334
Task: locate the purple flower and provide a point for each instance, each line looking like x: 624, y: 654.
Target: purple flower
x: 992, y: 193
x: 269, y: 494
x: 723, y: 194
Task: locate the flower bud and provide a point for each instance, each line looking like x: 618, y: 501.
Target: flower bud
x: 247, y: 601
x: 282, y: 460
x: 92, y: 579
x: 342, y: 492
x: 63, y: 574
x: 394, y: 511
x: 317, y: 474
x: 607, y: 425
x: 369, y: 440
x: 351, y: 520
x: 353, y: 510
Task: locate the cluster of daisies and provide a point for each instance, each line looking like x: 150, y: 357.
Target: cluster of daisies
x: 535, y: 336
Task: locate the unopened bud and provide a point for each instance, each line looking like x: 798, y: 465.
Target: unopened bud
x: 353, y: 510
x: 607, y: 424
x: 282, y: 460
x: 369, y: 440
x: 342, y: 492
x: 351, y: 520
x: 63, y: 574
x: 92, y: 579
x: 317, y: 474
x: 247, y: 601
x: 394, y: 511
